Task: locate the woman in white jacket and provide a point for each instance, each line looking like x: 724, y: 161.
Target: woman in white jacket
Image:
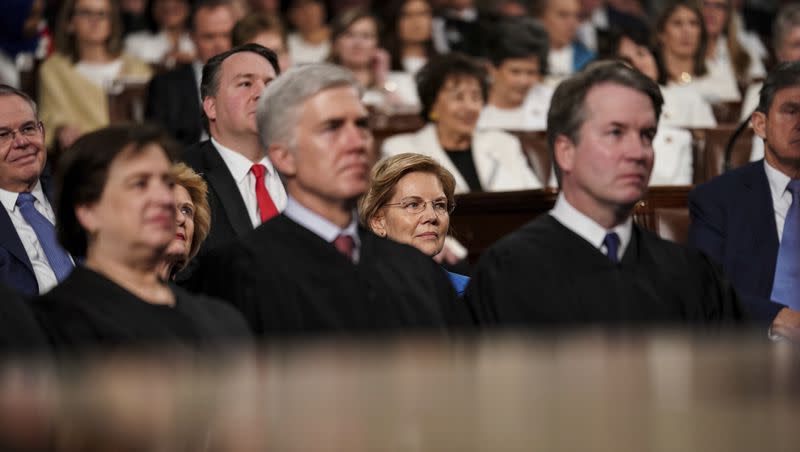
x: 452, y: 90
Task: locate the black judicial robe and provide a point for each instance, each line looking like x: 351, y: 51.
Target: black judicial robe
x: 88, y: 310
x: 287, y: 281
x: 544, y: 274
x: 19, y: 330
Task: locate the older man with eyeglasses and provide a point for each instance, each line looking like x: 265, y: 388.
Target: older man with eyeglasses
x: 31, y: 260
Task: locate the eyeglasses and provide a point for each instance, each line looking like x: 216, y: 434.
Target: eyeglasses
x: 28, y: 130
x: 415, y: 205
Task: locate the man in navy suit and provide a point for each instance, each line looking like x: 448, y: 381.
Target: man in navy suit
x: 173, y: 98
x: 738, y: 218
x: 30, y: 262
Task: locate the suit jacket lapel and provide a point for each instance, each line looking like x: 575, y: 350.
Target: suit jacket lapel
x: 430, y: 145
x: 9, y: 239
x: 221, y: 181
x: 486, y: 161
x: 760, y: 225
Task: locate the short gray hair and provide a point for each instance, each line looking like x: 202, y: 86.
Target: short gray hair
x: 788, y: 17
x: 281, y: 101
x: 7, y: 90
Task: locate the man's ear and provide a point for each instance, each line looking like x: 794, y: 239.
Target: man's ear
x: 564, y: 153
x: 759, y: 122
x: 210, y: 108
x: 283, y: 159
x: 378, y: 223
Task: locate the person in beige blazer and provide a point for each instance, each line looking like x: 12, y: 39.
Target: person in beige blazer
x: 452, y: 89
x: 75, y: 80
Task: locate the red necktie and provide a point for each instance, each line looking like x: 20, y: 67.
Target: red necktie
x: 345, y: 244
x: 265, y: 205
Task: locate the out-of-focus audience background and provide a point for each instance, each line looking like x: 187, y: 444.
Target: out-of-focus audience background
x: 89, y: 63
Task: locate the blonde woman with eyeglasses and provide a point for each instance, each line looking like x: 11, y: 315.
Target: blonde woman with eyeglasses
x: 410, y: 200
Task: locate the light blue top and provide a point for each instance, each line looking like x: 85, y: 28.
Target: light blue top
x: 459, y: 282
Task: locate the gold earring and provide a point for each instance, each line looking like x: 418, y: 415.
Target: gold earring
x: 433, y: 116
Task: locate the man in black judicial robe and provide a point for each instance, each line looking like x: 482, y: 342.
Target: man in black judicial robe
x: 312, y: 269
x: 586, y: 263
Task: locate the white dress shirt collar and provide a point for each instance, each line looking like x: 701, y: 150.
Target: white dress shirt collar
x: 9, y: 198
x: 777, y: 181
x: 781, y: 198
x: 588, y: 229
x: 320, y: 226
x: 238, y: 164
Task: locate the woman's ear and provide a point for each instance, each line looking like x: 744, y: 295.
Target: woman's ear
x: 378, y: 224
x: 87, y: 218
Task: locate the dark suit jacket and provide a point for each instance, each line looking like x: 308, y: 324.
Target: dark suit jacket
x: 229, y: 218
x: 173, y: 102
x: 287, y: 281
x: 733, y: 222
x: 16, y: 270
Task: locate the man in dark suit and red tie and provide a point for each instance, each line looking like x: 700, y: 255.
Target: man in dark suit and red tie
x: 243, y: 188
x: 313, y: 269
x: 748, y: 220
x: 31, y: 260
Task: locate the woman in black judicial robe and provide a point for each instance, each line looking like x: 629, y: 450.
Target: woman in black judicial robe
x: 115, y: 206
x: 19, y: 331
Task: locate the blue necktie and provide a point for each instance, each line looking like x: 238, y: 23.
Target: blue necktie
x: 46, y: 232
x: 612, y: 246
x: 786, y: 287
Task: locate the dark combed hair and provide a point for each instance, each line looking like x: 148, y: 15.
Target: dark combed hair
x: 197, y: 5
x: 785, y: 75
x: 83, y: 172
x: 210, y: 81
x: 568, y: 105
x: 390, y: 38
x: 700, y: 55
x: 608, y: 44
x: 254, y: 24
x: 515, y: 38
x: 432, y: 77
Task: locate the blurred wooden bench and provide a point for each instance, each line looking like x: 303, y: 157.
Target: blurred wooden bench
x: 126, y: 101
x: 709, y: 151
x: 480, y: 219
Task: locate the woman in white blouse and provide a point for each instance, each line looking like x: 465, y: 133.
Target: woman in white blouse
x: 681, y: 53
x: 683, y: 109
x: 169, y: 42
x: 726, y: 53
x: 75, y: 80
x: 453, y: 89
x: 518, y: 98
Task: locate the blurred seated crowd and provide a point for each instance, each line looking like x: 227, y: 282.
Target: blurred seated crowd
x: 205, y: 171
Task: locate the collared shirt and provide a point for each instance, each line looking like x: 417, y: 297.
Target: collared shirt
x: 239, y: 166
x: 587, y: 228
x: 781, y: 198
x: 45, y: 277
x: 321, y: 226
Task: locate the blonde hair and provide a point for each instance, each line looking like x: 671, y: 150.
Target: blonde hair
x: 387, y: 173
x: 198, y: 192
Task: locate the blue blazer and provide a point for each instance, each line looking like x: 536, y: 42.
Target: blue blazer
x: 733, y: 222
x: 16, y: 270
x: 581, y: 56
